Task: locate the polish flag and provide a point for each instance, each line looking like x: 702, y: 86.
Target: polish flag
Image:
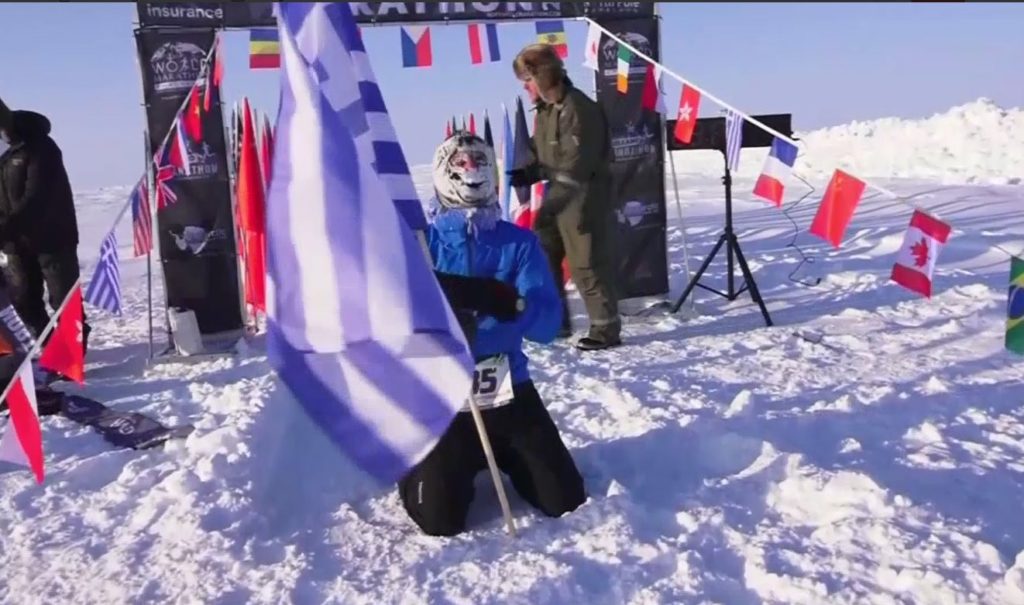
x: 837, y: 207
x: 591, y: 58
x: 689, y: 105
x: 65, y: 352
x: 24, y: 444
x: 915, y: 264
x: 777, y: 167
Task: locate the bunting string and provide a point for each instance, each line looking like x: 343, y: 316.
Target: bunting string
x: 878, y: 188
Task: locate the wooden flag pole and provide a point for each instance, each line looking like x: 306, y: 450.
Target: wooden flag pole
x: 481, y: 429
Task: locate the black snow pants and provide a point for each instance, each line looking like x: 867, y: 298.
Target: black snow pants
x: 27, y: 273
x: 438, y: 492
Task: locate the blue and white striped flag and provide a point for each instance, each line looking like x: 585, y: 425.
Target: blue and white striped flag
x: 358, y: 327
x: 733, y: 139
x: 104, y: 289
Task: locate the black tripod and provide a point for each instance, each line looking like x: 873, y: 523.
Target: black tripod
x: 732, y: 248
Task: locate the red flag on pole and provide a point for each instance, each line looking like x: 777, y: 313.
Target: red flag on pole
x: 193, y: 118
x: 252, y: 213
x: 22, y: 442
x: 65, y: 353
x: 837, y: 207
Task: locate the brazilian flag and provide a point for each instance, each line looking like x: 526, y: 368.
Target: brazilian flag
x: 1015, y: 308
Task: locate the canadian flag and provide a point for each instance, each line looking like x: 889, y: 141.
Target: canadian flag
x: 24, y: 444
x: 65, y: 353
x: 915, y: 264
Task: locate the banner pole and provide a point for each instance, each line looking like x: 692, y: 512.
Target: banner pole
x: 152, y: 232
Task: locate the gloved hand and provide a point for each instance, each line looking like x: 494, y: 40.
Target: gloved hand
x: 518, y: 177
x: 485, y: 295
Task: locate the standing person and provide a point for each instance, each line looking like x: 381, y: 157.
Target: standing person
x: 38, y: 226
x: 571, y: 150
x: 467, y: 237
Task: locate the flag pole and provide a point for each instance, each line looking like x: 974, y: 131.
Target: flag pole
x: 149, y: 249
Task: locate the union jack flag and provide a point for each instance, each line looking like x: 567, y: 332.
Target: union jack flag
x: 142, y: 219
x: 165, y: 195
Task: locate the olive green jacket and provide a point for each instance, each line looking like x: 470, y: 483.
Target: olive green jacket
x: 570, y: 149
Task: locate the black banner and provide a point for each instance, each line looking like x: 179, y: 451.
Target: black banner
x: 195, y: 232
x: 260, y: 14
x: 638, y: 169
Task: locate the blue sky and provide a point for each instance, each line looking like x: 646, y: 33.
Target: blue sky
x: 824, y: 63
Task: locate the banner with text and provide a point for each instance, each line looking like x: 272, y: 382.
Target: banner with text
x: 196, y: 232
x: 638, y: 169
x: 260, y: 14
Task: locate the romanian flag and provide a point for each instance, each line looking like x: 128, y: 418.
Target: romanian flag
x: 625, y: 58
x: 264, y: 49
x: 553, y: 33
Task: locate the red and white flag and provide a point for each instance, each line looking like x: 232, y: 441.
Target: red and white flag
x: 689, y: 105
x: 652, y: 98
x: 65, y: 353
x: 178, y: 154
x: 22, y: 442
x: 915, y: 265
x: 591, y: 59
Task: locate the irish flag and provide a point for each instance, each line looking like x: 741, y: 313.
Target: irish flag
x: 625, y: 57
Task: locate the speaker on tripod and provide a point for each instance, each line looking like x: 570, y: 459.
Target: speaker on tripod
x: 709, y: 134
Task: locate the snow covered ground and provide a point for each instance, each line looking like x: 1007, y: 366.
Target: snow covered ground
x: 869, y: 448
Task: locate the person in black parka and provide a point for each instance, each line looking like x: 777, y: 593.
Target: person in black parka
x: 38, y: 226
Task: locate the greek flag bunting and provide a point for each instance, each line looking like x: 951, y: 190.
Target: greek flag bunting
x: 104, y: 289
x: 733, y: 139
x: 358, y: 328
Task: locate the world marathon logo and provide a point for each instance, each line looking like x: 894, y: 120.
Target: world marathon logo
x: 176, y: 66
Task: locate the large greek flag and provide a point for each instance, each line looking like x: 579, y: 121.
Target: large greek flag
x: 359, y: 330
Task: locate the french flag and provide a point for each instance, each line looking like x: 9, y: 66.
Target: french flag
x: 777, y: 168
x: 480, y: 52
x: 416, y: 50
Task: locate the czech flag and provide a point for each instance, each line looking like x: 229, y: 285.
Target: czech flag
x: 553, y: 33
x: 416, y: 50
x: 264, y: 49
x: 480, y: 52
x: 777, y: 168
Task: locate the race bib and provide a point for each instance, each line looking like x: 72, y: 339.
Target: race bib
x: 492, y: 383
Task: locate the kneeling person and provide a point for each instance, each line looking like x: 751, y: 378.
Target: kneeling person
x: 468, y: 237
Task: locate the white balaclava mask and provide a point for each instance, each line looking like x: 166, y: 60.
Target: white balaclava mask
x: 465, y: 173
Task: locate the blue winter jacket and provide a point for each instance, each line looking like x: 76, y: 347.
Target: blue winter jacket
x: 513, y: 255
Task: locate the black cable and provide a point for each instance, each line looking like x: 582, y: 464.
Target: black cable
x: 804, y: 258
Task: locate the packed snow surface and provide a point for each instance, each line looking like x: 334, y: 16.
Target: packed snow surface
x: 868, y: 448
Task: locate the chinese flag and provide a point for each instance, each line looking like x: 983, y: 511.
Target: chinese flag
x: 64, y: 353
x: 251, y: 213
x: 194, y: 116
x: 837, y: 207
x: 689, y: 104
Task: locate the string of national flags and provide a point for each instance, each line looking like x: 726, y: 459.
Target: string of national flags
x: 926, y: 235
x: 417, y: 44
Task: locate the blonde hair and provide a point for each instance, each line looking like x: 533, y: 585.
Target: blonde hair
x: 541, y: 63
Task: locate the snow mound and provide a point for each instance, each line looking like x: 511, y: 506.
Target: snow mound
x: 975, y: 143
